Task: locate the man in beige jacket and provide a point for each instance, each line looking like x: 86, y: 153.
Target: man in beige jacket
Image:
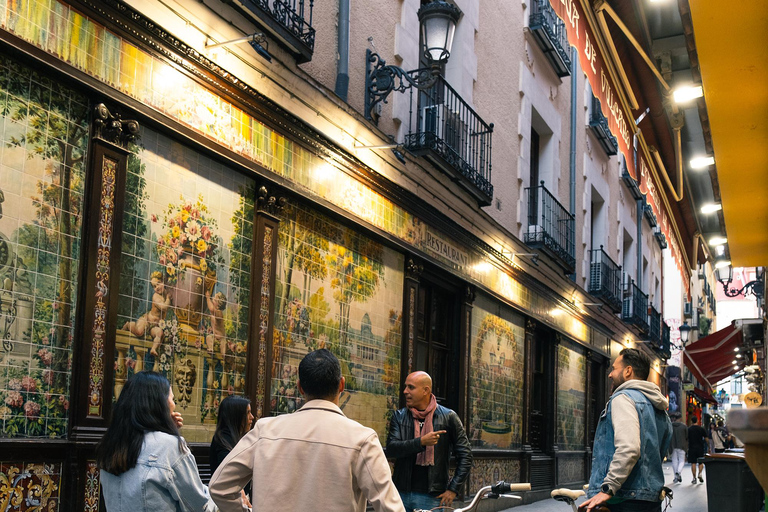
x: 313, y: 459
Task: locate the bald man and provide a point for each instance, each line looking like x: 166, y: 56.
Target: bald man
x: 421, y: 437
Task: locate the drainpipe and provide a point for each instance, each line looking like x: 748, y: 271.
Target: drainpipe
x: 572, y: 203
x: 640, y: 244
x: 342, y: 72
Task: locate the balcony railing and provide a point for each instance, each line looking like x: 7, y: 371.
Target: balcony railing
x: 635, y: 310
x: 451, y: 134
x: 654, y: 321
x: 550, y: 227
x: 666, y: 348
x: 549, y: 31
x: 605, y: 279
x: 289, y: 21
x: 599, y: 125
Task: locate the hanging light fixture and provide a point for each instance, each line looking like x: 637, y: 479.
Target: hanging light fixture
x: 438, y: 26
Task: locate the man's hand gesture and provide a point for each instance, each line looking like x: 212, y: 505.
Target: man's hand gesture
x: 432, y: 438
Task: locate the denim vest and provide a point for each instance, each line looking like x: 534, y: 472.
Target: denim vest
x: 647, y: 477
x: 163, y: 479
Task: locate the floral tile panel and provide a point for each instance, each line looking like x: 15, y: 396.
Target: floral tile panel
x: 571, y: 398
x: 44, y: 129
x: 185, y: 277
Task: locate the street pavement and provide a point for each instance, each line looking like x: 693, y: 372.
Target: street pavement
x: 687, y: 496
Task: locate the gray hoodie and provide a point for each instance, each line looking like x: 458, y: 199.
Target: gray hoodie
x: 626, y: 430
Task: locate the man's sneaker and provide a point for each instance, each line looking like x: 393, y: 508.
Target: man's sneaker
x: 701, y: 479
x: 694, y: 480
x: 678, y: 478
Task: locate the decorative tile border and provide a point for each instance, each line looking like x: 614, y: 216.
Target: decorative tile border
x: 104, y: 244
x: 92, y: 487
x: 29, y: 486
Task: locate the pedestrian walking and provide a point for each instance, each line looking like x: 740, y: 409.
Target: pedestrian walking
x: 678, y: 447
x: 631, y: 440
x: 697, y: 448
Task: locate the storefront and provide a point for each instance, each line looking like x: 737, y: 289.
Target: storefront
x: 160, y: 215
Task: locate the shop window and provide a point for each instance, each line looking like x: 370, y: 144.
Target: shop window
x: 185, y: 277
x: 339, y: 290
x: 496, y: 376
x: 44, y: 128
x: 571, y: 398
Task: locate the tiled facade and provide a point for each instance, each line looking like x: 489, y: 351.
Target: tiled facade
x: 200, y: 297
x: 185, y: 277
x: 44, y: 146
x: 496, y: 394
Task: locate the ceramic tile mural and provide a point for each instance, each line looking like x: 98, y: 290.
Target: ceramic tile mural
x: 339, y: 290
x: 185, y: 277
x: 54, y: 27
x: 489, y: 471
x: 29, y: 486
x: 571, y: 395
x: 496, y: 376
x: 44, y: 128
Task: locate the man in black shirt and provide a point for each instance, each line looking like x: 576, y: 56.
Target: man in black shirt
x: 421, y: 438
x: 697, y: 447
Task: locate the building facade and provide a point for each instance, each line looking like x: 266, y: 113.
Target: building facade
x: 197, y: 209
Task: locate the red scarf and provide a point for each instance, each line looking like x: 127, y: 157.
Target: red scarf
x: 422, y: 425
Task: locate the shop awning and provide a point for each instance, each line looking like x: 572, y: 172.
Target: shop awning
x: 710, y: 359
x: 703, y: 395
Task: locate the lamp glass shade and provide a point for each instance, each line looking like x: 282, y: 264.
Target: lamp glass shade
x: 438, y: 26
x: 724, y: 275
x: 685, y: 330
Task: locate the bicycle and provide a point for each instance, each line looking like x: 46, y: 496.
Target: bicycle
x: 498, y: 490
x: 570, y: 496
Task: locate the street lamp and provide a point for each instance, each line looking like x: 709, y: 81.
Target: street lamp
x: 438, y: 24
x: 725, y: 277
x: 685, y: 331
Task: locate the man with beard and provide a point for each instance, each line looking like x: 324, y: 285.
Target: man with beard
x: 631, y: 440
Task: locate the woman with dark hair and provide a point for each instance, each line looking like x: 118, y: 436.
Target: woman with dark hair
x: 145, y: 463
x: 235, y: 420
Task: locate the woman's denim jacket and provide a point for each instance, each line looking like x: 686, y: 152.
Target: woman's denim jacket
x: 646, y: 479
x: 164, y: 478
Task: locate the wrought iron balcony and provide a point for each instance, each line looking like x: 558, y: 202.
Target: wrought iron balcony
x: 451, y: 135
x: 665, y: 351
x: 599, y: 126
x: 605, y: 279
x: 654, y: 321
x: 550, y: 227
x: 288, y: 21
x: 635, y: 309
x: 648, y: 211
x: 549, y: 32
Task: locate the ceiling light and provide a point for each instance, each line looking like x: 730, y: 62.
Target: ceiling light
x: 687, y: 93
x: 735, y: 367
x: 717, y: 240
x: 702, y: 162
x: 736, y: 349
x: 734, y: 361
x: 738, y: 356
x: 711, y: 208
x: 720, y: 250
x: 722, y: 263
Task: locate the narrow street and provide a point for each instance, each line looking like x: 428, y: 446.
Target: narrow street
x: 687, y: 497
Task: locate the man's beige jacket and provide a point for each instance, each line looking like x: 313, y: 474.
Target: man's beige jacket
x: 313, y: 459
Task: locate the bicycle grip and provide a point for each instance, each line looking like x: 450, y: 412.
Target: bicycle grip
x: 502, y: 487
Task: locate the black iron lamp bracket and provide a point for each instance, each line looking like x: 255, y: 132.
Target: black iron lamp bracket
x: 753, y: 287
x: 381, y: 80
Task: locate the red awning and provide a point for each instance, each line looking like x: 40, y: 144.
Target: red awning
x: 710, y: 359
x: 703, y: 395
